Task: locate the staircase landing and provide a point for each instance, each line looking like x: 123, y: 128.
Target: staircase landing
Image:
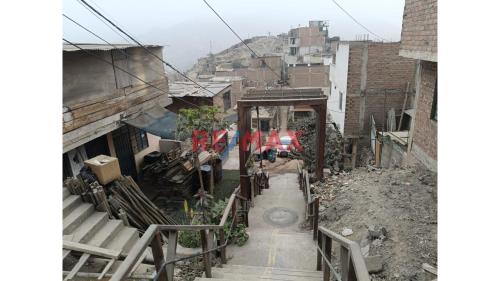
x: 276, y: 239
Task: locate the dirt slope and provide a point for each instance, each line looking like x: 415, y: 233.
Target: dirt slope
x: 402, y: 201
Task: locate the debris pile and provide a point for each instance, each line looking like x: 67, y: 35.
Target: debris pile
x: 391, y: 213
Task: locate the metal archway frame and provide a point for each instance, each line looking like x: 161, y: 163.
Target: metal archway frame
x: 312, y: 97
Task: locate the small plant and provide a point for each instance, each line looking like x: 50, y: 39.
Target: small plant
x: 190, y: 239
x: 239, y: 235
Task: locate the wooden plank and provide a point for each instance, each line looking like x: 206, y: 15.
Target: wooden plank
x: 345, y: 261
x: 134, y: 254
x: 96, y: 107
x: 81, y: 262
x: 227, y: 209
x: 327, y: 252
x: 156, y: 248
x: 404, y: 106
x: 378, y: 153
x: 106, y: 269
x: 319, y: 257
x: 89, y: 249
x: 223, y: 249
x: 206, y: 245
x: 90, y: 118
x: 315, y: 218
x: 171, y: 253
x: 189, y: 227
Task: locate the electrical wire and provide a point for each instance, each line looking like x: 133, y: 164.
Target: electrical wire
x: 105, y: 23
x: 121, y: 69
x: 141, y: 45
x: 110, y: 44
x: 239, y: 37
x: 356, y: 21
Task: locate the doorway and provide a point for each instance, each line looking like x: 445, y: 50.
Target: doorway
x: 124, y: 152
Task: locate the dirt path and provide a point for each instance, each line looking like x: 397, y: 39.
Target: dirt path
x: 402, y: 201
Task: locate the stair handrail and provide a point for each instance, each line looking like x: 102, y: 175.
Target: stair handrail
x: 152, y: 237
x: 352, y: 263
x: 312, y: 205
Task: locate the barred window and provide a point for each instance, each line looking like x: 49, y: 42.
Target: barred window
x: 138, y: 139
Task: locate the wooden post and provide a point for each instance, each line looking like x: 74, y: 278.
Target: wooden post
x: 158, y: 257
x: 212, y: 184
x: 310, y: 207
x: 378, y: 153
x: 345, y: 261
x: 223, y: 249
x: 123, y: 216
x: 207, y: 258
x: 243, y: 130
x: 315, y: 218
x: 320, y: 138
x: 354, y: 152
x: 171, y: 253
x: 327, y: 251
x: 319, y: 258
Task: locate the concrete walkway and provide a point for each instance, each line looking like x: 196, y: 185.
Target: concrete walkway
x: 275, y: 237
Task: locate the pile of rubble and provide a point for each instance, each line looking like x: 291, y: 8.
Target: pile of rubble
x: 391, y: 213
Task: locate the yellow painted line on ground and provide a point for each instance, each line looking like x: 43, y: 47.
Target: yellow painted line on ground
x: 271, y: 257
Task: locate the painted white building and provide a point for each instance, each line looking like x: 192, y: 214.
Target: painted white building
x: 338, y: 77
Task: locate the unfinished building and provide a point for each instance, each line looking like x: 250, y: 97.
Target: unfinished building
x: 370, y: 79
x: 419, y: 42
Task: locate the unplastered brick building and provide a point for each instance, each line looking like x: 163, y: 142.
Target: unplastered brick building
x: 419, y: 42
x: 368, y: 79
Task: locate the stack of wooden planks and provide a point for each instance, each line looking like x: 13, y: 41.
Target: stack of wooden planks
x: 127, y: 197
x: 121, y: 199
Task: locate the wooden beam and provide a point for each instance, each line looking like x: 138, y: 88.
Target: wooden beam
x: 89, y: 249
x: 171, y: 253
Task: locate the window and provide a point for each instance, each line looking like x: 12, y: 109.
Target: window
x: 138, y: 139
x: 434, y: 110
x: 341, y: 98
x: 293, y: 51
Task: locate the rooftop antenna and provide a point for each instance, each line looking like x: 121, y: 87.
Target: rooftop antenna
x: 210, y: 46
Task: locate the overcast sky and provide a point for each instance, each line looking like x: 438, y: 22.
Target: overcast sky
x: 188, y: 27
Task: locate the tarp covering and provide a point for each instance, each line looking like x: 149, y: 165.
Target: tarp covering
x: 157, y: 121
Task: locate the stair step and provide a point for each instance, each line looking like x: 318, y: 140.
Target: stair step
x: 245, y: 276
x: 66, y: 193
x: 124, y: 240
x: 273, y: 270
x: 106, y: 233
x: 89, y: 227
x: 76, y: 217
x: 70, y: 203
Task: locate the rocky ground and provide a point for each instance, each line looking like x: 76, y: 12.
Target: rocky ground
x: 392, y: 214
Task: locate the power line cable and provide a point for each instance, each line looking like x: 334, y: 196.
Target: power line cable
x: 239, y: 37
x: 141, y: 45
x: 105, y: 23
x: 356, y: 21
x: 121, y: 69
x: 110, y: 44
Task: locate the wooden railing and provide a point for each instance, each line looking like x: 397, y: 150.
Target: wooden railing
x: 352, y: 263
x: 312, y: 205
x: 165, y: 267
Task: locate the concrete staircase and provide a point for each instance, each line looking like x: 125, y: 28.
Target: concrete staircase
x: 83, y: 224
x: 254, y: 273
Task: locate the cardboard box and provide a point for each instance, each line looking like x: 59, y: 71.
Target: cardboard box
x: 106, y: 168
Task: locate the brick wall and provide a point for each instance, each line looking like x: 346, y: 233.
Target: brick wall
x: 387, y: 74
x: 309, y: 76
x: 425, y: 129
x: 419, y: 30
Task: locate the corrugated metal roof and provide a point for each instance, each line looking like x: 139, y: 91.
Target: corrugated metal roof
x: 189, y: 89
x: 101, y: 47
